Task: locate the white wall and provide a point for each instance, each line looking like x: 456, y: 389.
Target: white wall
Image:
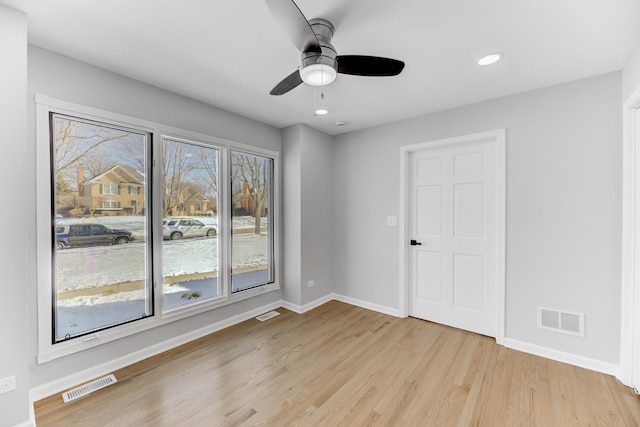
x: 14, y: 334
x: 66, y: 79
x: 308, y: 177
x: 563, y: 207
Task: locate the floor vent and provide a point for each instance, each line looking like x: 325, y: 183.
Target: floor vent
x: 76, y: 393
x: 267, y: 316
x: 561, y: 321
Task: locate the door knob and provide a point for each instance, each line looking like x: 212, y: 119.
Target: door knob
x: 415, y: 243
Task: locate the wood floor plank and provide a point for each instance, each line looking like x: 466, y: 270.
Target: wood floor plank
x: 340, y: 365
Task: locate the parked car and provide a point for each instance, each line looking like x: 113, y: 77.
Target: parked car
x: 176, y: 228
x: 75, y: 235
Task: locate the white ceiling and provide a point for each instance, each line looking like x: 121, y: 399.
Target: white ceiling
x: 231, y: 53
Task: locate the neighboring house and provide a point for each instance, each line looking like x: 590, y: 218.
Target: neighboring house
x: 117, y: 191
x: 243, y: 202
x: 192, y: 202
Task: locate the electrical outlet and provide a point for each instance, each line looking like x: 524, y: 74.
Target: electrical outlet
x: 7, y: 384
x: 311, y: 283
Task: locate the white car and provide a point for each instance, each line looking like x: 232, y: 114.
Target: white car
x: 179, y: 227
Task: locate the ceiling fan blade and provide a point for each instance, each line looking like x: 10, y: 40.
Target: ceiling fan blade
x: 359, y: 65
x: 290, y: 82
x: 295, y: 24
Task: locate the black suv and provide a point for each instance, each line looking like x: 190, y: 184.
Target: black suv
x: 68, y: 236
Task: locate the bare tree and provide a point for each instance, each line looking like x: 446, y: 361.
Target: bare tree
x: 90, y: 203
x: 209, y: 165
x: 178, y: 164
x: 74, y: 141
x: 78, y: 143
x: 255, y: 172
x: 95, y: 163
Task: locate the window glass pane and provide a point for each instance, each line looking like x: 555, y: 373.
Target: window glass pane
x: 190, y: 224
x: 252, y: 223
x: 101, y: 257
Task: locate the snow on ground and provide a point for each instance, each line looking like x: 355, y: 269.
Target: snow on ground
x: 99, y: 266
x: 136, y: 223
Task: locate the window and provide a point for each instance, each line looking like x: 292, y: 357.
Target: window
x: 92, y: 255
x: 109, y: 188
x: 106, y: 274
x: 110, y: 204
x: 191, y: 247
x: 252, y: 244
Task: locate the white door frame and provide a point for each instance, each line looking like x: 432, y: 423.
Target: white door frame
x: 630, y: 305
x: 499, y: 136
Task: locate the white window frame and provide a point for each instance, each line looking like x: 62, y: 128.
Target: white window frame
x: 48, y: 351
x: 110, y: 187
x: 111, y: 203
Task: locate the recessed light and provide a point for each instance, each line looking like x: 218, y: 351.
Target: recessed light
x: 491, y: 58
x: 321, y: 111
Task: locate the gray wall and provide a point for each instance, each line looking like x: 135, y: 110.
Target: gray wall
x: 63, y: 78
x: 292, y: 214
x: 317, y: 221
x: 563, y: 207
x: 631, y: 75
x: 308, y: 177
x: 14, y: 334
x: 563, y: 203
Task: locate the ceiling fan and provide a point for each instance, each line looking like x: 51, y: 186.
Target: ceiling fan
x: 319, y: 61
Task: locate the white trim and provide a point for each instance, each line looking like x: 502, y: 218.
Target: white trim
x: 499, y: 136
x: 61, y: 384
x: 561, y: 356
x: 342, y: 298
x: 368, y: 305
x: 309, y: 306
x: 629, y: 327
x: 70, y: 381
x: 44, y: 105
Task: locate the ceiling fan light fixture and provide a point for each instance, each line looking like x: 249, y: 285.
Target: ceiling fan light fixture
x: 318, y: 74
x: 491, y: 58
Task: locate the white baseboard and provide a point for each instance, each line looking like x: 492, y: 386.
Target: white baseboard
x: 301, y: 309
x: 368, y: 305
x: 73, y: 380
x: 561, y: 356
x: 61, y: 384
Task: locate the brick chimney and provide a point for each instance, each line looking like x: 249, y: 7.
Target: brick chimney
x: 80, y: 180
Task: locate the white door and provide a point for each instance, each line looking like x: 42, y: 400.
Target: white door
x: 454, y: 223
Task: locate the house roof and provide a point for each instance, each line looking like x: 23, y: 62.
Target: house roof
x: 123, y: 174
x: 194, y: 196
x: 230, y: 54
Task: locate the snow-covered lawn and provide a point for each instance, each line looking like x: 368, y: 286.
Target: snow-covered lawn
x: 189, y: 269
x: 97, y: 266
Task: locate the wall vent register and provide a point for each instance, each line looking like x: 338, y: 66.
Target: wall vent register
x: 561, y: 321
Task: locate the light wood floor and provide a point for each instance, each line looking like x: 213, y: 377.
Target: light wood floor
x: 340, y: 365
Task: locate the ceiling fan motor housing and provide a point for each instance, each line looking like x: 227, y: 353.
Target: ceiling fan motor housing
x: 323, y: 30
